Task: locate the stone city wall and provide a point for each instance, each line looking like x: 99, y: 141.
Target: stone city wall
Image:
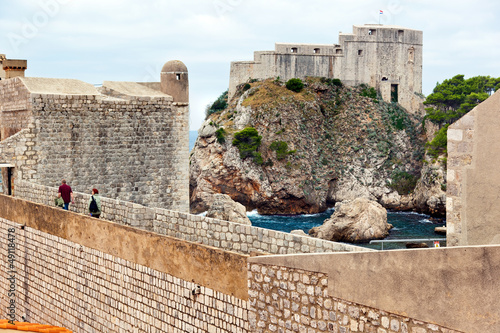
x: 213, y: 232
x: 137, y: 149
x: 106, y: 278
x: 15, y: 107
x: 417, y: 291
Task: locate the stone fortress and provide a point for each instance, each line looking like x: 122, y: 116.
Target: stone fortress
x: 388, y: 58
x: 149, y: 266
x: 125, y: 138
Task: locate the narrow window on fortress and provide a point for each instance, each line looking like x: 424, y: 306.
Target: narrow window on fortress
x: 372, y: 32
x: 411, y: 54
x: 178, y: 76
x: 338, y: 51
x: 293, y: 50
x: 394, y: 93
x: 400, y: 35
x: 316, y: 51
x: 360, y: 52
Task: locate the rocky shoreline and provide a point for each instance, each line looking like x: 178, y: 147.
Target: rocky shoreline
x: 339, y: 146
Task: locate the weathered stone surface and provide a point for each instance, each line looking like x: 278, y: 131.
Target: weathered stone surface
x: 298, y: 232
x: 357, y: 221
x: 224, y: 208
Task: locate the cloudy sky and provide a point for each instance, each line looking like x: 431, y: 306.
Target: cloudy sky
x: 130, y: 40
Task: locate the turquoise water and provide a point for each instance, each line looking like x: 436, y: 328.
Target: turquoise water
x: 407, y: 225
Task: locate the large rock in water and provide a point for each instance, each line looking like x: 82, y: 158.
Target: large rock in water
x: 224, y: 208
x: 360, y: 220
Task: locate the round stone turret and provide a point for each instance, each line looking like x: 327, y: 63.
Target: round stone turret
x: 175, y: 82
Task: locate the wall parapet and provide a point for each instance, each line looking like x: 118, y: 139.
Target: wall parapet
x: 406, y: 286
x: 92, y: 275
x: 225, y: 235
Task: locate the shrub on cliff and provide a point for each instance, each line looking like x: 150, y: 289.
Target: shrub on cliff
x: 439, y: 144
x: 403, y: 182
x: 295, y: 85
x: 219, y: 105
x: 248, y: 141
x: 281, y: 149
x: 220, y: 135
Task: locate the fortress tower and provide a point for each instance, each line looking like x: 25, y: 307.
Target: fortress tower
x: 174, y: 81
x: 388, y: 58
x: 10, y: 68
x: 128, y: 139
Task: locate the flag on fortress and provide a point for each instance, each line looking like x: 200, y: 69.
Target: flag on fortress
x: 381, y: 11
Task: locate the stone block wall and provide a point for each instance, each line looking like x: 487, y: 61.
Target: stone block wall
x: 85, y: 290
x: 213, y: 232
x: 135, y: 148
x: 460, y: 153
x: 15, y: 108
x: 283, y: 299
x: 91, y: 275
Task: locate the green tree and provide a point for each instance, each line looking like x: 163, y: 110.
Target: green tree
x: 452, y: 99
x: 219, y: 105
x: 248, y: 141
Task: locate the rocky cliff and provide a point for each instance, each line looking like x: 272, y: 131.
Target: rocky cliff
x: 324, y: 144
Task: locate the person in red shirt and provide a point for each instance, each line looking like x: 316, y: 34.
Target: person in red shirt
x: 66, y: 193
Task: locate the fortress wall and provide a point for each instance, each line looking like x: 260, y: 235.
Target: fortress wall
x: 472, y: 210
x: 225, y: 235
x: 419, y: 291
x: 90, y: 275
x: 15, y: 109
x: 289, y: 299
x: 135, y: 150
x: 370, y: 53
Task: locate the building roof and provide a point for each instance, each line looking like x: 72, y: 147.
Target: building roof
x: 41, y: 85
x: 133, y: 89
x: 174, y: 66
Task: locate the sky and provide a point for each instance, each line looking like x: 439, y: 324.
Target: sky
x: 130, y: 40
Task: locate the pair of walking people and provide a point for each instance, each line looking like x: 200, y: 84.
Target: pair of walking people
x: 66, y: 194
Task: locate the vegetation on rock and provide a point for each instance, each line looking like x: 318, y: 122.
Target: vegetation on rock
x: 342, y: 141
x: 219, y: 105
x: 248, y: 141
x: 295, y: 85
x: 220, y: 135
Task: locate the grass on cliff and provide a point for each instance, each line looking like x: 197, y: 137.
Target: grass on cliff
x: 272, y: 93
x: 328, y: 131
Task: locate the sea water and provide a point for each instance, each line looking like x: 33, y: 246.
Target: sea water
x: 407, y: 225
